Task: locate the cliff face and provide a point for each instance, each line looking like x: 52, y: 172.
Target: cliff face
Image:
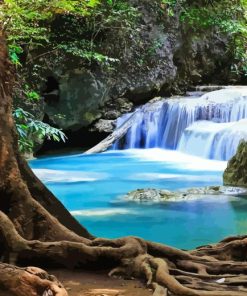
x: 236, y: 172
x: 160, y: 56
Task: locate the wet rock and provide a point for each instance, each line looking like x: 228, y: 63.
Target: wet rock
x: 112, y: 114
x: 115, y: 107
x: 218, y: 190
x: 161, y: 195
x: 155, y: 195
x: 104, y: 126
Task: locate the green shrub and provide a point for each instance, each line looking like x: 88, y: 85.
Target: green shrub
x: 31, y: 131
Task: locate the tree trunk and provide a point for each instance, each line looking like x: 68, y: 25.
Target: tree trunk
x: 35, y: 228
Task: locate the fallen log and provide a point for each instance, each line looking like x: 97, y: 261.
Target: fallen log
x: 117, y: 134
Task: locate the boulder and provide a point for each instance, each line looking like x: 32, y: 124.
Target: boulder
x: 81, y: 96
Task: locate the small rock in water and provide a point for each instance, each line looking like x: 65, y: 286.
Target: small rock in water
x: 155, y: 195
x: 162, y: 195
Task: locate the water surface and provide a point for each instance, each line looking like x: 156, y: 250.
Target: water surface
x: 91, y: 187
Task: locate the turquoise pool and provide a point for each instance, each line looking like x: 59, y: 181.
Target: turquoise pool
x: 91, y: 187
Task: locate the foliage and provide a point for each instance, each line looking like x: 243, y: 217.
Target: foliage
x: 30, y: 24
x: 82, y: 37
x: 226, y: 16
x: 30, y: 94
x: 33, y: 131
x: 157, y: 44
x: 85, y: 50
x: 63, y: 27
x: 169, y: 5
x: 14, y: 52
x: 26, y: 20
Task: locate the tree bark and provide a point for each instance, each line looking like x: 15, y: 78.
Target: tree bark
x: 36, y: 228
x: 29, y: 281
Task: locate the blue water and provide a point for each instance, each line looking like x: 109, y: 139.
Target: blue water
x: 92, y: 186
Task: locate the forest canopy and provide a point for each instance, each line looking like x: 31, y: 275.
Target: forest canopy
x: 29, y: 24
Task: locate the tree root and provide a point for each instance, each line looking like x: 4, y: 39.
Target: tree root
x: 35, y: 227
x: 174, y: 272
x: 29, y: 281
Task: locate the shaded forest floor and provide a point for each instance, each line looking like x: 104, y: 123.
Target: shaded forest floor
x: 84, y: 283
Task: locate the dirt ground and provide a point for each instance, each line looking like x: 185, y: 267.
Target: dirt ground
x: 84, y: 283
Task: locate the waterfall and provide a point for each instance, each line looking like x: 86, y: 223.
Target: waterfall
x: 213, y: 140
x: 204, y: 125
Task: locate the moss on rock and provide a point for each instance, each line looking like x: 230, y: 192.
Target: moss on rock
x: 236, y: 171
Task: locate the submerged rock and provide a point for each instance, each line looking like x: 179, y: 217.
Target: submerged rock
x: 154, y: 195
x: 218, y: 190
x: 161, y: 195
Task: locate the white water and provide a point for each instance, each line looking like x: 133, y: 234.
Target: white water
x: 103, y: 212
x: 67, y: 176
x: 205, y: 126
x: 213, y: 140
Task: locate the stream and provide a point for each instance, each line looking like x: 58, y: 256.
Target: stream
x: 92, y: 186
x: 174, y: 144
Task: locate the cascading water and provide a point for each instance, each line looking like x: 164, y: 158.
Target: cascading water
x: 206, y: 126
x: 213, y: 140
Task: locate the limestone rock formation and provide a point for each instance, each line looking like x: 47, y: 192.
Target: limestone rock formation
x: 81, y: 95
x: 236, y: 172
